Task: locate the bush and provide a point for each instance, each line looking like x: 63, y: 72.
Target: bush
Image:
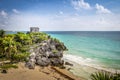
x: 54, y: 51
x: 7, y: 66
x: 37, y: 37
x: 2, y: 57
x: 23, y: 49
x: 19, y: 57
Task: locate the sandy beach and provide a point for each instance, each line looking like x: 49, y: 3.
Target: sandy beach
x: 39, y: 73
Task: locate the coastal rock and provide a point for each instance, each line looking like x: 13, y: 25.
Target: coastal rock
x: 56, y: 62
x: 56, y: 55
x: 43, y: 61
x: 4, y: 71
x: 32, y: 55
x: 30, y: 64
x: 48, y: 52
x: 67, y: 63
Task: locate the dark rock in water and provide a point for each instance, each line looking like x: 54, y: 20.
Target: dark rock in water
x: 62, y: 67
x: 56, y: 62
x: 4, y: 71
x: 67, y: 63
x: 69, y: 69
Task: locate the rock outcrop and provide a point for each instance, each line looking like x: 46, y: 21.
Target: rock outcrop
x: 49, y: 52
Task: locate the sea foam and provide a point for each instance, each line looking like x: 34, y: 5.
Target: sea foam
x: 88, y: 62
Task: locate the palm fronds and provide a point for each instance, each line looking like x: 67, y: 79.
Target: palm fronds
x: 103, y: 75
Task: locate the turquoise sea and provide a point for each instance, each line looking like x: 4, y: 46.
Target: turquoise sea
x: 96, y: 49
x: 90, y: 50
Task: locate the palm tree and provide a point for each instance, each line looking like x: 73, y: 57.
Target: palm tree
x: 103, y: 75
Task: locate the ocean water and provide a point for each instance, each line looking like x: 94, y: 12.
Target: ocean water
x: 99, y: 50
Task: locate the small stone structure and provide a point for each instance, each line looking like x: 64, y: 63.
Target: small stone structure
x: 34, y: 29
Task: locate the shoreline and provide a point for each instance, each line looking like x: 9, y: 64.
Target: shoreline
x: 84, y: 71
x: 39, y: 73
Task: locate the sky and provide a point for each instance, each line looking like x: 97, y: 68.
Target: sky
x: 60, y: 15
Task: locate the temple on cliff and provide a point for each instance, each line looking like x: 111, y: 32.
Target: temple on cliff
x: 34, y: 29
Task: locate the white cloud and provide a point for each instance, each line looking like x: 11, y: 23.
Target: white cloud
x: 3, y: 13
x: 63, y: 23
x: 3, y: 19
x: 15, y: 11
x: 101, y: 9
x: 80, y: 4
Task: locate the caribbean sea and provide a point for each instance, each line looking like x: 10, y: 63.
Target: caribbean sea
x: 91, y: 50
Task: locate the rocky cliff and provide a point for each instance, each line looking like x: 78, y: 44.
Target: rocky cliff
x: 48, y: 52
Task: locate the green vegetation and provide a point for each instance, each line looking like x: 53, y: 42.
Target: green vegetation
x: 54, y: 51
x: 19, y: 57
x: 7, y: 66
x: 2, y: 33
x: 15, y: 47
x: 103, y: 75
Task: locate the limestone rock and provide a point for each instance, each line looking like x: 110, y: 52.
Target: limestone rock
x: 67, y: 63
x: 48, y: 52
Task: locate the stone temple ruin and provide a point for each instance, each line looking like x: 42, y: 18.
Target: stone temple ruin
x: 34, y: 29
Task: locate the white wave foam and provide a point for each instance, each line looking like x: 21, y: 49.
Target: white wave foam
x: 78, y: 59
x: 87, y: 62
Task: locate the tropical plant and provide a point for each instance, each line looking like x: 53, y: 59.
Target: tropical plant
x: 19, y: 57
x: 5, y: 67
x: 103, y: 75
x: 116, y: 76
x: 9, y: 46
x: 38, y: 37
x: 23, y: 38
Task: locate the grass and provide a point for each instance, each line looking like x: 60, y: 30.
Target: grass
x: 7, y: 66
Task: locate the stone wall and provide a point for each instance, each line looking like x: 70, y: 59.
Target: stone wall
x: 34, y: 29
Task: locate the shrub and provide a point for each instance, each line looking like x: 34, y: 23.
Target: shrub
x: 7, y: 66
x: 2, y: 33
x: 19, y: 57
x: 54, y: 51
x: 23, y: 49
